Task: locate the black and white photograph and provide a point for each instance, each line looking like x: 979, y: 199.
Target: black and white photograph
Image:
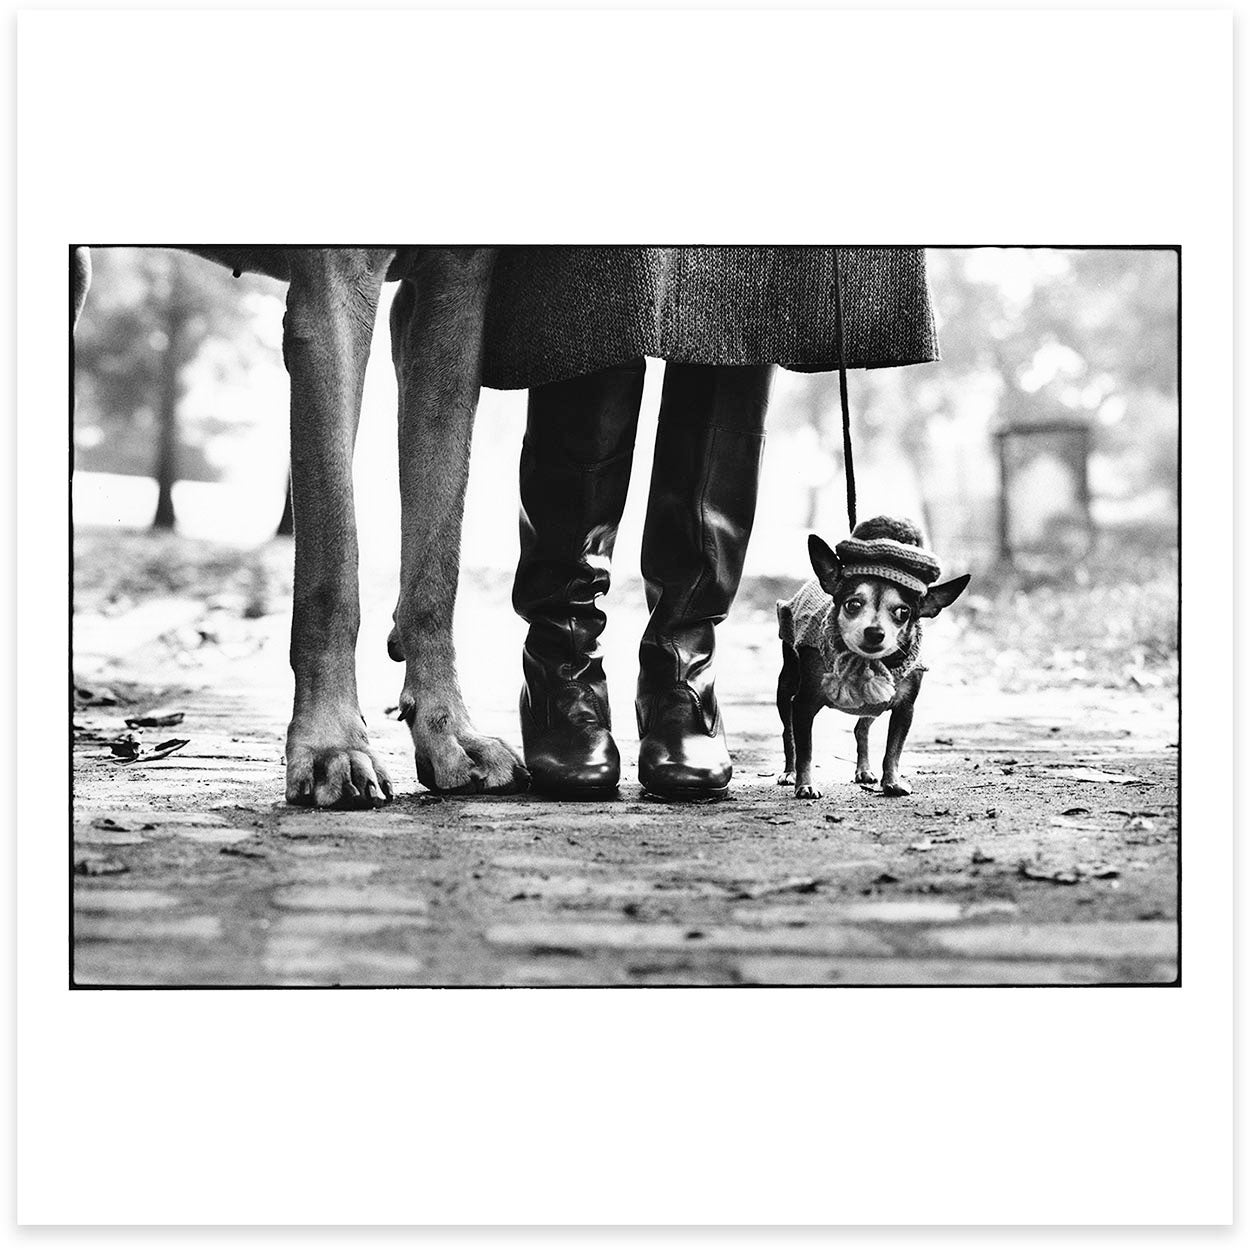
x: 625, y: 618
x: 710, y: 493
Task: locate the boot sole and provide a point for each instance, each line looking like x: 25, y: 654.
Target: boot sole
x: 686, y: 794
x: 556, y: 791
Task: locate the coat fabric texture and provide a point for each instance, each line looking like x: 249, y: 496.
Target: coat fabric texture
x: 558, y: 312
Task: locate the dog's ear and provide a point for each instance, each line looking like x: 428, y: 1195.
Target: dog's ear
x: 827, y: 566
x: 943, y: 596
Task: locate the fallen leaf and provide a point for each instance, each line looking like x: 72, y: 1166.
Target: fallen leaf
x: 886, y: 878
x: 1068, y: 876
x: 1057, y: 876
x: 155, y: 720
x: 101, y: 696
x: 1096, y: 774
x: 945, y: 742
x: 1066, y: 822
x: 121, y: 826
x: 1078, y: 811
x: 98, y: 866
x: 796, y: 885
x: 125, y: 746
x: 800, y: 885
x: 160, y: 751
x: 244, y: 850
x: 777, y: 820
x: 1098, y: 871
x: 771, y: 774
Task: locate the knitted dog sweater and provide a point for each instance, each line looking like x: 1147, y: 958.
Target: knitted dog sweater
x: 853, y: 683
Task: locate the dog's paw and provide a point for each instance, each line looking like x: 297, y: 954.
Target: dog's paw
x: 806, y: 792
x: 452, y: 758
x: 329, y: 763
x: 896, y: 787
x: 786, y: 779
x: 865, y: 777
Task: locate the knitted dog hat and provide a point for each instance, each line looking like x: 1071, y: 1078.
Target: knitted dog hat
x: 891, y: 549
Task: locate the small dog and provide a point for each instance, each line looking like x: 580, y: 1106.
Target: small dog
x: 850, y: 639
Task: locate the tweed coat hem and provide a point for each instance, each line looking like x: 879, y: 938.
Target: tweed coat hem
x: 560, y: 312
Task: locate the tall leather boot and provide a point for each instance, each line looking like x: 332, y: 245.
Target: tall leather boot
x: 704, y: 483
x: 575, y: 467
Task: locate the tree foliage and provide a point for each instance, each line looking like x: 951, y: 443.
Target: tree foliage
x: 1027, y: 335
x: 152, y: 316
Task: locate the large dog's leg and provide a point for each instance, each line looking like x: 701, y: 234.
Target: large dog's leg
x: 331, y: 306
x: 436, y: 330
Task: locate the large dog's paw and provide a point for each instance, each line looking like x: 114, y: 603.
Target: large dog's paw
x: 452, y: 757
x: 786, y: 779
x: 865, y: 777
x: 329, y: 763
x: 806, y: 792
x: 896, y: 786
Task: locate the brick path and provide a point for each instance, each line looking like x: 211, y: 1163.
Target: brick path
x: 191, y: 871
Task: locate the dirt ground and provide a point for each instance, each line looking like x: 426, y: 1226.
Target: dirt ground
x: 1040, y: 845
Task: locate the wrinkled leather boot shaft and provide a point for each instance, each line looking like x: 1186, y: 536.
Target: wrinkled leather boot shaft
x: 700, y: 513
x: 575, y: 469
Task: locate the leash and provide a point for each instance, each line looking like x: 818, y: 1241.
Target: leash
x: 847, y: 458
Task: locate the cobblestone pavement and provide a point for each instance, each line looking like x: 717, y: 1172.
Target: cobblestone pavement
x: 1005, y: 867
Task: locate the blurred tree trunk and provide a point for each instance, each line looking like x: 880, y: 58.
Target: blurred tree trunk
x: 167, y: 405
x: 286, y: 524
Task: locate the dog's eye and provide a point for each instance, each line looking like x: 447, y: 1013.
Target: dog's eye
x: 901, y: 614
x: 851, y: 606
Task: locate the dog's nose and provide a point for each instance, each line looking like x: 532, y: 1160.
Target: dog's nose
x: 874, y: 636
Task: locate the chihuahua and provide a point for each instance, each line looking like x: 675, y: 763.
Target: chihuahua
x: 850, y: 639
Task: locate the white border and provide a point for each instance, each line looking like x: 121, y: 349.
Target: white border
x: 786, y: 1107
